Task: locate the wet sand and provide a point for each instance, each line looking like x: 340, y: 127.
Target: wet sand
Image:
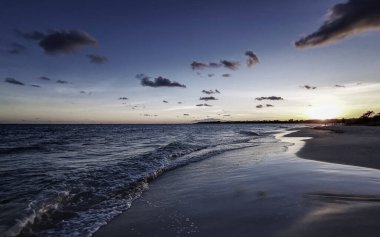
x: 258, y: 191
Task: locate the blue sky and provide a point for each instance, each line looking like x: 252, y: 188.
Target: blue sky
x: 162, y: 38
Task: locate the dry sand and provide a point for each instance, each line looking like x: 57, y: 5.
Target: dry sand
x: 350, y: 145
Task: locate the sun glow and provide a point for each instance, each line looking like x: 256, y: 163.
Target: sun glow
x: 325, y: 108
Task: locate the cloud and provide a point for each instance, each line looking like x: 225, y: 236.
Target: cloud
x: 207, y: 98
x: 210, y: 92
x: 339, y: 86
x: 195, y: 65
x: 198, y: 65
x: 259, y: 106
x: 269, y: 105
x: 165, y: 101
x: 210, y: 75
x: 123, y: 98
x: 232, y: 65
x: 226, y: 75
x: 62, y: 82
x: 45, y: 78
x: 97, y: 59
x: 179, y: 102
x: 186, y: 114
x: 60, y: 42
x: 160, y: 82
x: 36, y: 86
x: 344, y: 20
x: 269, y: 98
x: 16, y: 48
x: 201, y: 105
x: 11, y: 80
x: 252, y: 58
x: 308, y: 87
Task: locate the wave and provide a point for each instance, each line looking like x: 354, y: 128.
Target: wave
x: 89, y: 197
x: 249, y: 133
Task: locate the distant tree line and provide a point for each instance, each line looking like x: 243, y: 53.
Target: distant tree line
x: 369, y: 118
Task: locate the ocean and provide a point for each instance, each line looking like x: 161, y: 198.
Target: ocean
x: 69, y: 180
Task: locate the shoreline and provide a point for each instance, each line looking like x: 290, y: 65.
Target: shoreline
x: 266, y: 191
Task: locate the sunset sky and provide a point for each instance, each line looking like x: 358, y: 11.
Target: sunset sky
x: 149, y: 61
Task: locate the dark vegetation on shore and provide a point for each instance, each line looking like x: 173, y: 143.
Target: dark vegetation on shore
x: 369, y: 118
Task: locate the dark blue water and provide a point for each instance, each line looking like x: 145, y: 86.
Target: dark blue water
x: 68, y: 180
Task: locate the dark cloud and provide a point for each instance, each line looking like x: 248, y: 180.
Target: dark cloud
x: 344, y: 20
x: 37, y: 86
x: 210, y: 75
x: 123, y: 98
x: 269, y: 105
x: 62, y: 82
x: 226, y: 115
x: 259, y: 106
x: 339, y: 86
x: 198, y: 65
x: 232, y: 65
x: 33, y: 35
x: 226, y: 75
x: 63, y: 42
x: 160, y: 82
x: 202, y: 105
x: 186, y: 114
x: 97, y: 59
x: 217, y: 91
x: 82, y: 92
x: 165, y: 101
x: 45, y: 78
x: 207, y: 98
x: 308, y: 87
x: 252, y: 58
x: 16, y: 48
x: 179, y: 102
x: 11, y: 80
x: 210, y: 92
x: 269, y: 98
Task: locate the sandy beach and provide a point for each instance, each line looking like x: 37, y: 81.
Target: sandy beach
x: 267, y: 191
x: 350, y: 145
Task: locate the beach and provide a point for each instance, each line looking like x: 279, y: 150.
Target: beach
x: 267, y: 190
x: 350, y: 145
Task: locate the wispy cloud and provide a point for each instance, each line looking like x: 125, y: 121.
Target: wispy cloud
x: 62, y: 82
x: 210, y: 92
x: 308, y: 87
x: 252, y: 58
x: 165, y: 101
x: 344, y: 20
x: 207, y: 98
x: 123, y: 98
x: 37, y: 86
x: 13, y: 81
x: 226, y: 75
x: 203, y: 105
x: 269, y: 98
x: 339, y: 86
x: 259, y: 106
x: 45, y: 78
x: 97, y: 59
x: 232, y: 65
x: 198, y: 65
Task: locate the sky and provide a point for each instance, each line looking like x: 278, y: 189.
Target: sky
x: 177, y: 61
